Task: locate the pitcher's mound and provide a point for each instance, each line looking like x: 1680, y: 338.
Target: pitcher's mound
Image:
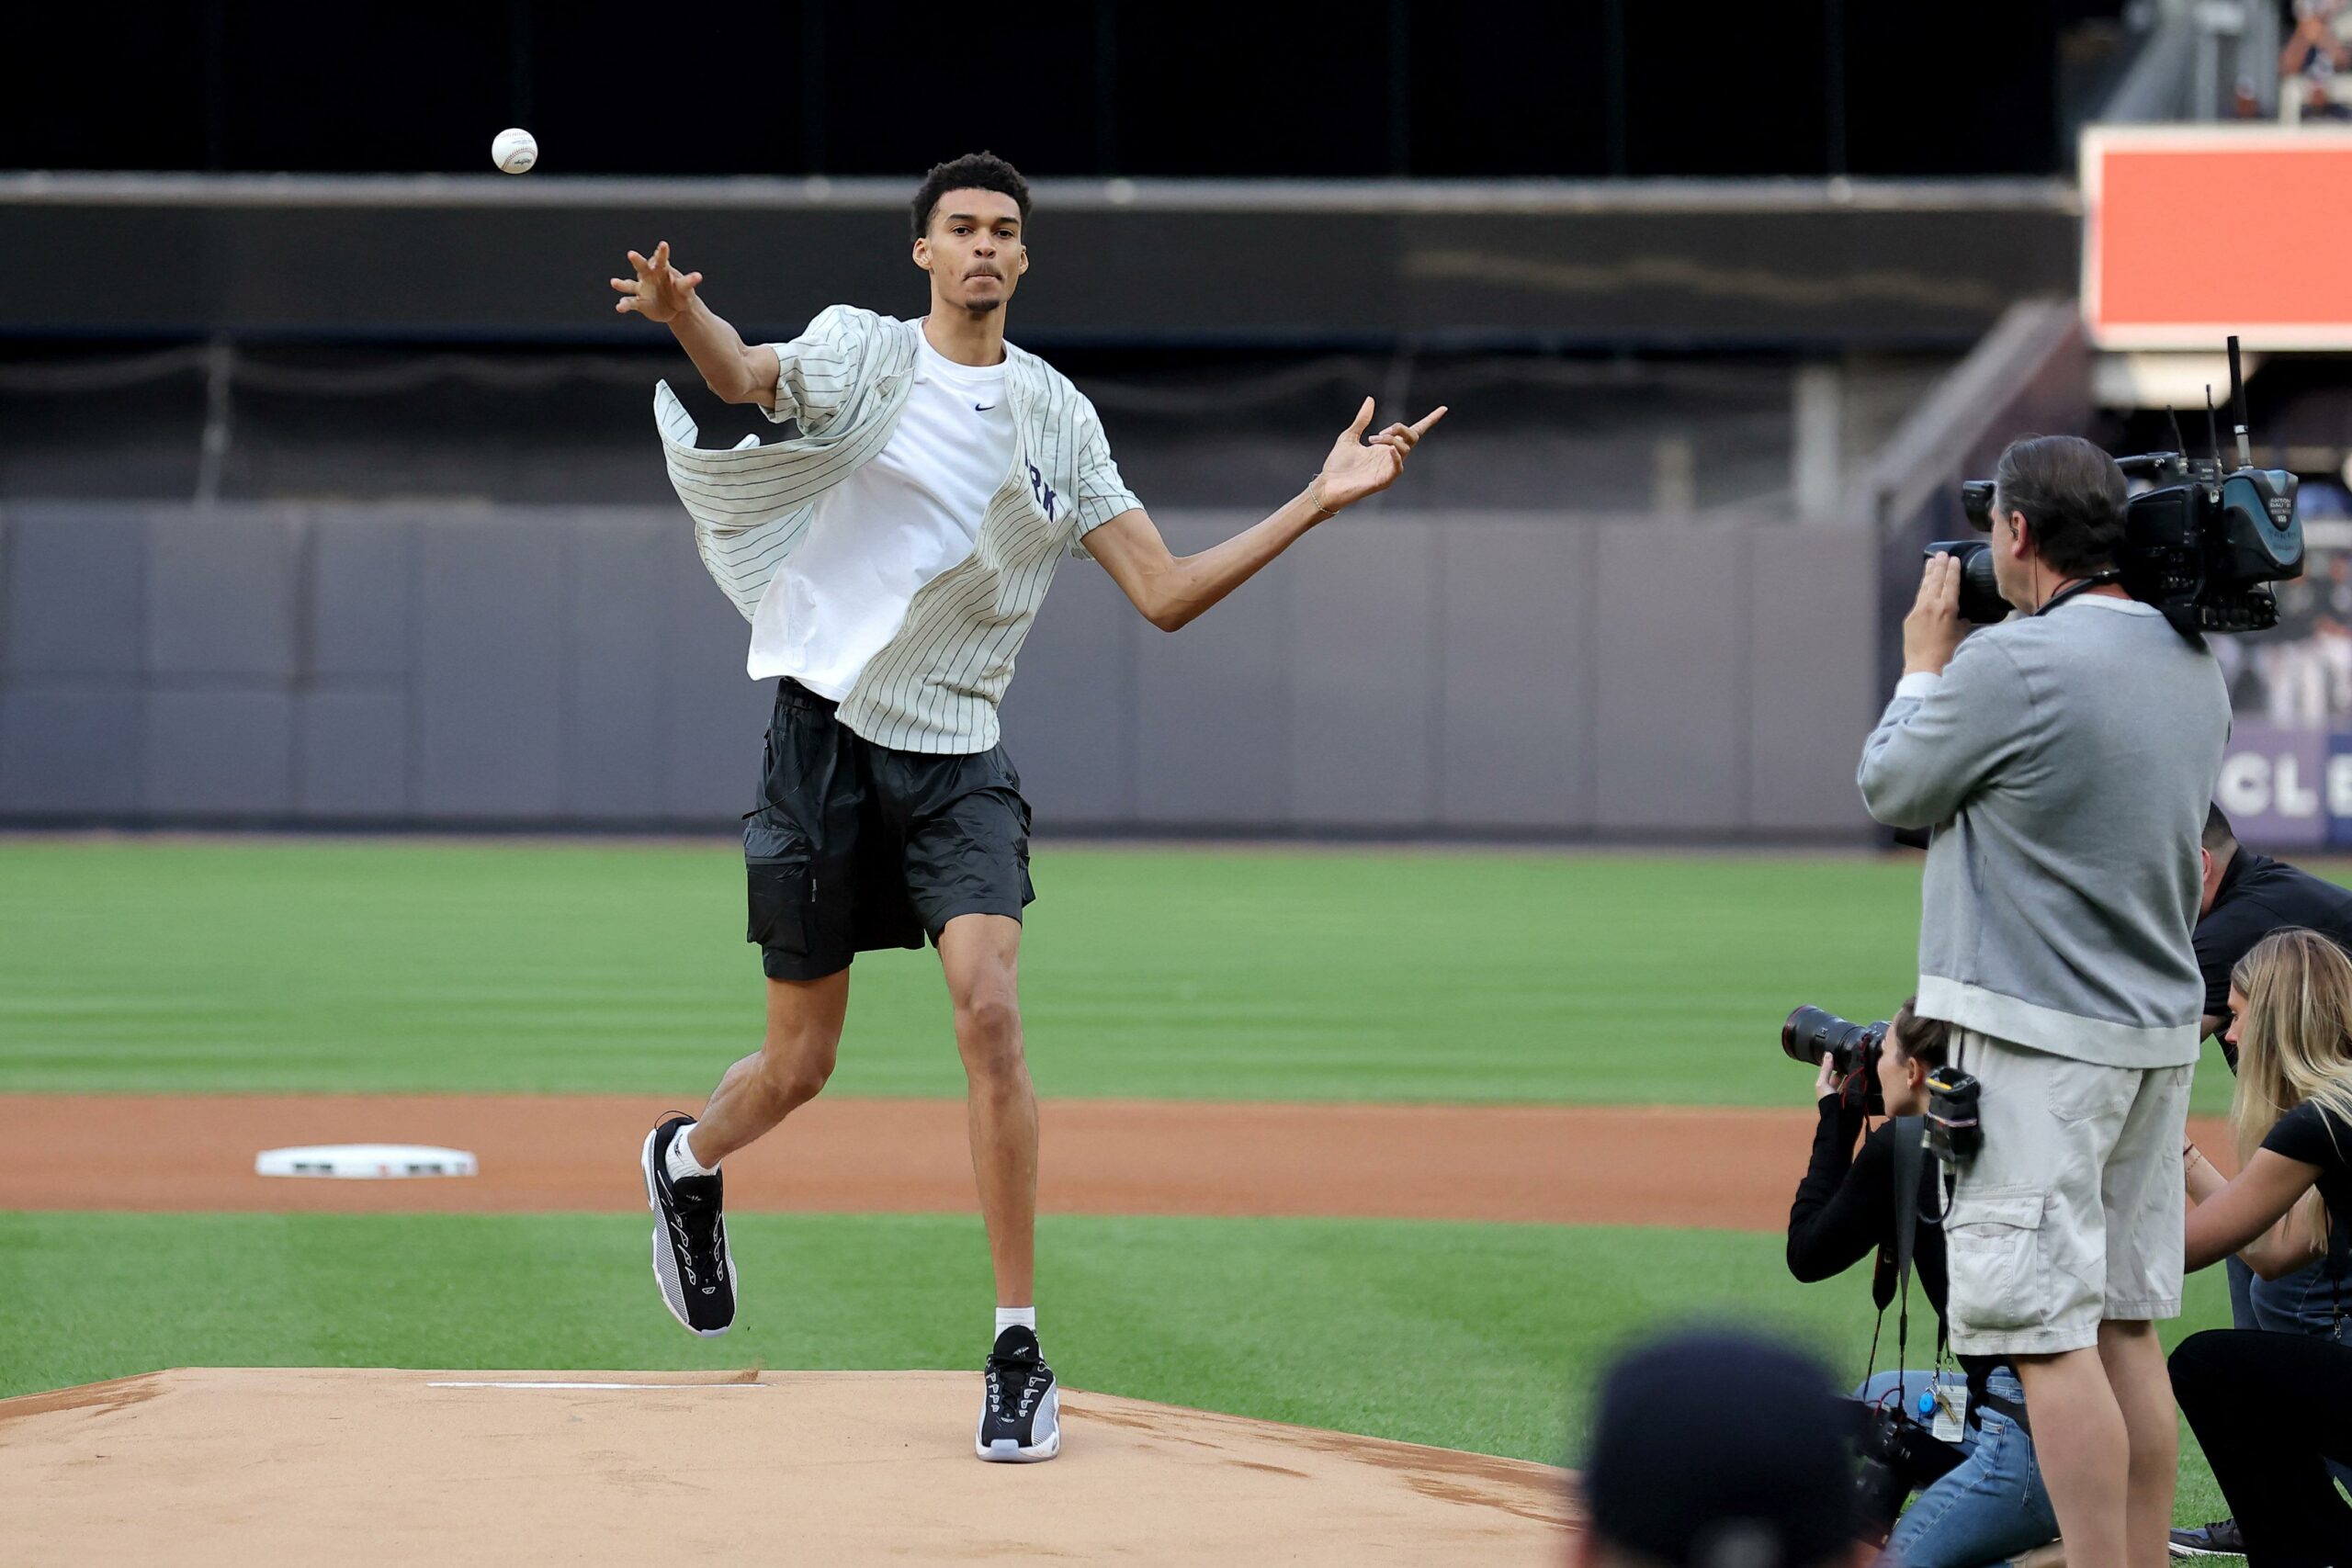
x: 226, y: 1466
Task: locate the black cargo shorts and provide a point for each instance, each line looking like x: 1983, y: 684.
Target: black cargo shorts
x: 854, y: 846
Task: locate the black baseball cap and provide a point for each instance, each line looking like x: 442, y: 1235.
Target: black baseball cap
x: 1721, y: 1449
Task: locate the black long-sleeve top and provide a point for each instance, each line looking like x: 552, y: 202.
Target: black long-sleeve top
x: 1845, y: 1212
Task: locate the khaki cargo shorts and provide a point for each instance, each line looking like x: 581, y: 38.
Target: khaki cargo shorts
x: 2072, y: 1212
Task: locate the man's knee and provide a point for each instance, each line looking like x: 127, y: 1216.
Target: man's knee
x: 797, y: 1060
x: 987, y: 1029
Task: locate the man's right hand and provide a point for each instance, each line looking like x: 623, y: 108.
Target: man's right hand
x: 659, y: 290
x: 1932, y: 632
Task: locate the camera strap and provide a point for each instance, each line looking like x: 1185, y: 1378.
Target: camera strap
x: 1910, y: 1166
x: 2081, y: 585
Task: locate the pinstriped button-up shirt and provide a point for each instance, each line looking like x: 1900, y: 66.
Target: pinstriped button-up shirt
x: 934, y: 686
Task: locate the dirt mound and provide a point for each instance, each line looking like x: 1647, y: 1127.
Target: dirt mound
x: 357, y: 1468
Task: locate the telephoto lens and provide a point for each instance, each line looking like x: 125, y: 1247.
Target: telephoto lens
x: 1811, y: 1034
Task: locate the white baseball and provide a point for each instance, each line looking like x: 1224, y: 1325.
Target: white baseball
x: 514, y: 151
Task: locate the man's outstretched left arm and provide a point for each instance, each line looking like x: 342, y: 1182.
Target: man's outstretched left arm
x: 1171, y: 590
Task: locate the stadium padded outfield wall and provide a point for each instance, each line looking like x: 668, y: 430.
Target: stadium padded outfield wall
x: 1660, y: 264
x: 1407, y: 675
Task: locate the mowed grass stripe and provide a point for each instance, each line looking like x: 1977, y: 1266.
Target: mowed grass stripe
x: 1465, y: 1336
x: 1497, y: 976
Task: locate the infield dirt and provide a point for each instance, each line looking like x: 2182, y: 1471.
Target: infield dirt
x: 1564, y: 1165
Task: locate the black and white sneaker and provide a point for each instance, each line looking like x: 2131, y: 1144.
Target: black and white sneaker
x: 2220, y: 1539
x: 690, y: 1261
x: 1021, y: 1418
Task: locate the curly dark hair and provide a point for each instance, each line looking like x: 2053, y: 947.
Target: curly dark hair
x: 973, y: 171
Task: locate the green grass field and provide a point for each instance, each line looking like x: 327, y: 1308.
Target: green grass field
x: 1163, y: 973
x: 136, y: 966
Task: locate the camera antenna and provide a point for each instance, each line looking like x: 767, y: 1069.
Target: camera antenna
x: 2237, y: 407
x: 2213, y: 424
x: 2179, y: 442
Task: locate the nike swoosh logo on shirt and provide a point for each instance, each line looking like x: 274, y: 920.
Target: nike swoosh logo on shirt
x: 982, y: 408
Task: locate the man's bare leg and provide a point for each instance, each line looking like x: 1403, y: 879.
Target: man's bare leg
x: 785, y: 1072
x: 2134, y: 1360
x: 2084, y: 1449
x: 981, y: 956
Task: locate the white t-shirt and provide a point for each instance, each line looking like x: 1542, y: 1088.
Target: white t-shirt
x: 905, y: 515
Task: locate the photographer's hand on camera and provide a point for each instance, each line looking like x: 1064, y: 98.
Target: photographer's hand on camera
x: 1932, y: 632
x: 1849, y: 1091
x: 1827, y: 1083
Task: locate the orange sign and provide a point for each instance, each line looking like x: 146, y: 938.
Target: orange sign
x: 2191, y: 233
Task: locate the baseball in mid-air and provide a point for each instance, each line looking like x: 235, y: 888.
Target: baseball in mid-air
x: 514, y: 151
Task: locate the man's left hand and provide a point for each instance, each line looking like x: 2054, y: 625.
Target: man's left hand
x: 1358, y: 468
x: 1933, y: 628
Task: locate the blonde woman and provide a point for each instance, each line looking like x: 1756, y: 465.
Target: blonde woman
x: 2271, y: 1410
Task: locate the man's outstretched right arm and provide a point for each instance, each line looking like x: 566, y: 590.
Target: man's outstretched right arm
x: 736, y: 372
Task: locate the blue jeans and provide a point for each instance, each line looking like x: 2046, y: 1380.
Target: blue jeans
x: 1989, y: 1509
x: 2303, y: 1303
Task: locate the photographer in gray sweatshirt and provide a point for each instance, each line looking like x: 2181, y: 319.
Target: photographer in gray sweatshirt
x: 2065, y: 760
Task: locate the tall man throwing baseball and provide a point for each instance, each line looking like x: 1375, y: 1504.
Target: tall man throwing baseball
x: 889, y: 558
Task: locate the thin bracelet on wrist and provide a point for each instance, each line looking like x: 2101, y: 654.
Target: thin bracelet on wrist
x: 1315, y: 499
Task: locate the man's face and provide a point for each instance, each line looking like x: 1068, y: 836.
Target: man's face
x: 973, y: 251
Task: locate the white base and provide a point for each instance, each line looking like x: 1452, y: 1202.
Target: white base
x: 365, y: 1162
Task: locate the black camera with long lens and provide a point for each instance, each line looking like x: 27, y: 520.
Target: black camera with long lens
x: 2200, y: 544
x: 1896, y: 1457
x: 1811, y: 1034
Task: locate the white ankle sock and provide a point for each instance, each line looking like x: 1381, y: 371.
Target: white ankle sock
x: 680, y: 1158
x: 1026, y: 1316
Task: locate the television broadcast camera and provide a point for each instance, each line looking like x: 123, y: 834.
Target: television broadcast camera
x: 2201, y: 545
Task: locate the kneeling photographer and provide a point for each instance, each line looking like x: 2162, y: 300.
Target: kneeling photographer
x: 2274, y: 1411
x: 1969, y: 1452
x: 2248, y: 897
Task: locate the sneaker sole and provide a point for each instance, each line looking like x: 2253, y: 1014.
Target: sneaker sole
x: 1004, y: 1450
x: 663, y: 1283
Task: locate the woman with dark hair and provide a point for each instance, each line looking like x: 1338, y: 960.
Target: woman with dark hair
x: 2272, y: 1409
x: 1994, y: 1506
